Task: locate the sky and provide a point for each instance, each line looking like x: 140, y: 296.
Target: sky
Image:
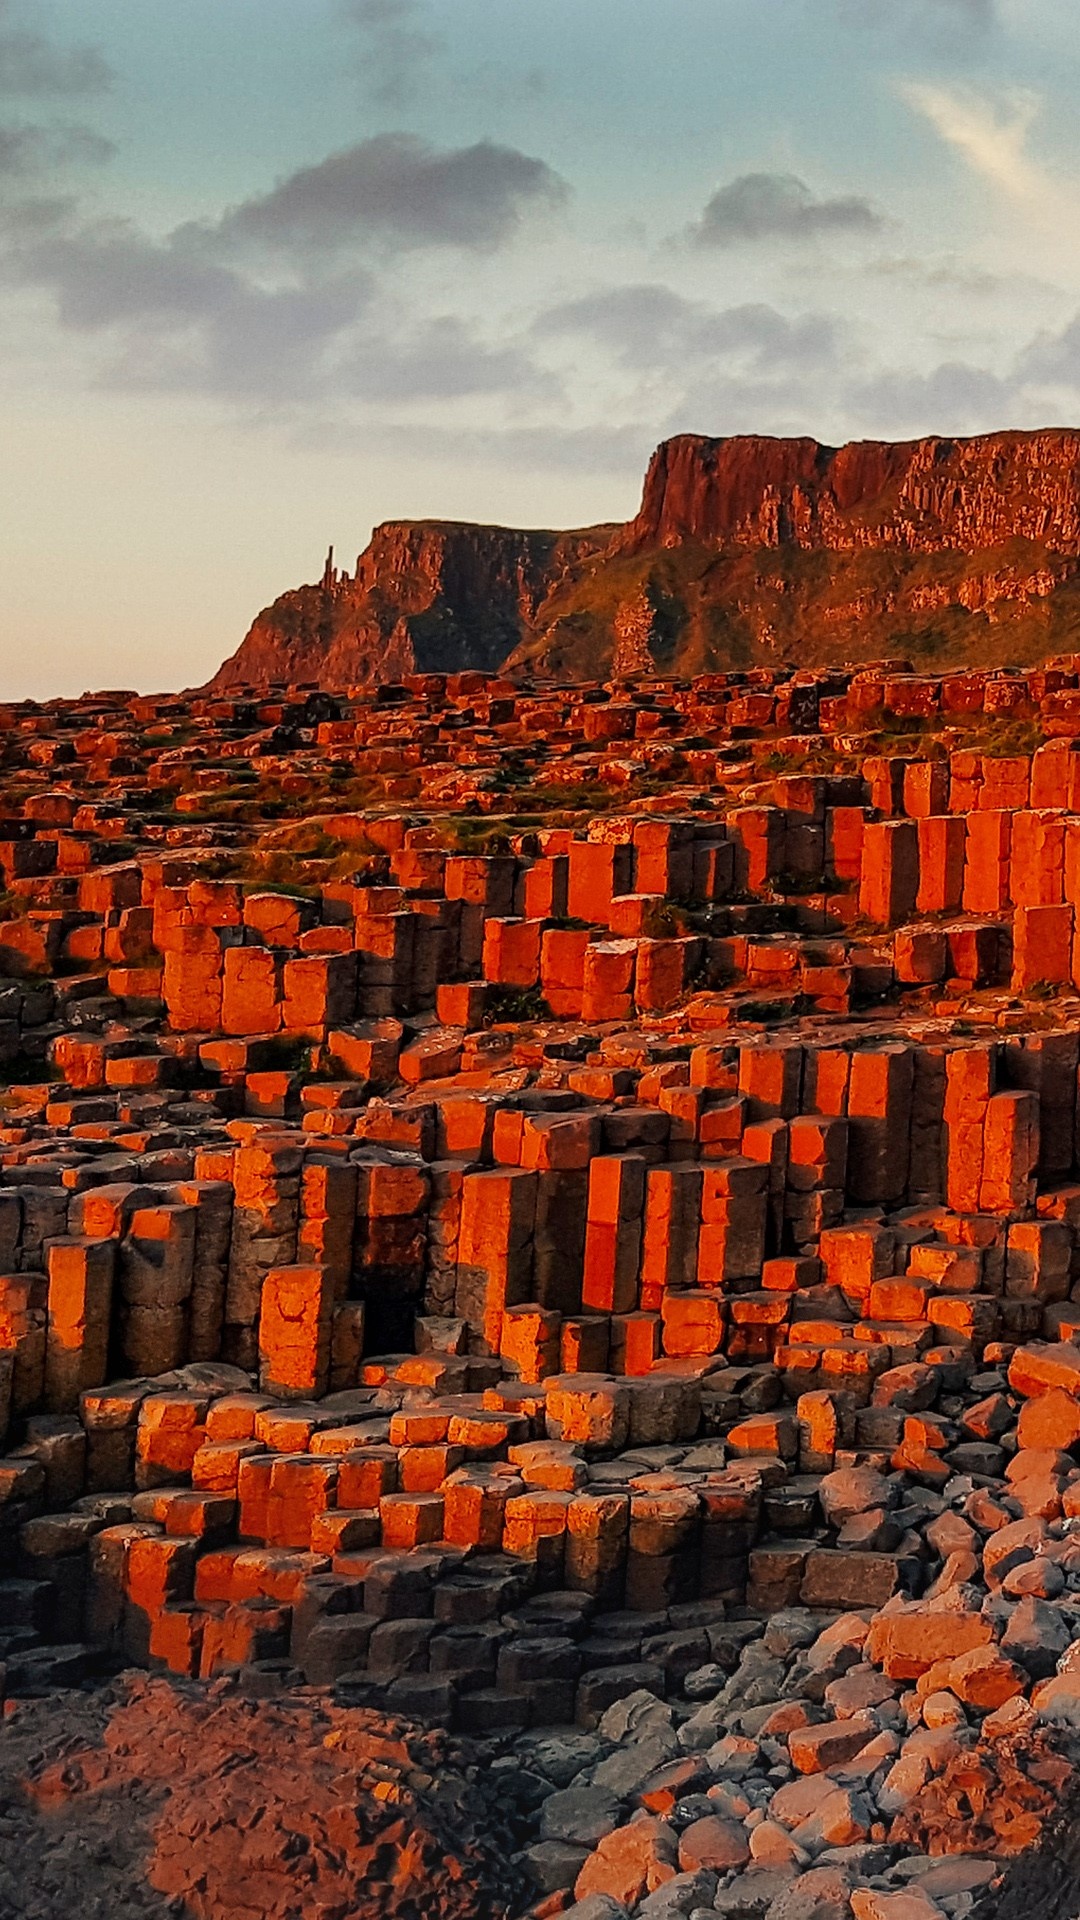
x: 272, y: 271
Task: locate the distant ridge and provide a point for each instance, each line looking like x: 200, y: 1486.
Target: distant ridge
x: 745, y: 551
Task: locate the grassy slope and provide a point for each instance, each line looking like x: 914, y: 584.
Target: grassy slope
x: 743, y: 607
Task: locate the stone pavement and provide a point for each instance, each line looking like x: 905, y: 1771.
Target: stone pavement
x: 534, y: 1206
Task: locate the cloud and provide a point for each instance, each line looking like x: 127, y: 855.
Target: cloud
x: 650, y: 328
x: 771, y: 341
x: 779, y: 206
x: 167, y: 314
x: 397, y: 188
x: 555, y: 447
x: 1033, y: 387
x: 991, y: 136
x: 26, y: 150
x: 33, y: 65
x: 687, y: 366
x: 107, y: 272
x: 639, y: 324
x: 445, y: 359
x: 173, y: 315
x: 284, y: 301
x: 258, y: 350
x: 170, y: 319
x: 949, y: 273
x: 948, y: 24
x: 1053, y: 359
x: 395, y: 48
x: 1035, y: 207
x: 954, y: 398
x: 27, y: 218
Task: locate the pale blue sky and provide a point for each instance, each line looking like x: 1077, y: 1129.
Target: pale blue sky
x: 274, y: 270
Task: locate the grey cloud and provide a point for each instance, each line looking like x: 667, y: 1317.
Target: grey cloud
x: 395, y: 47
x: 256, y: 348
x: 954, y: 397
x: 270, y: 304
x: 638, y: 324
x: 445, y: 360
x: 1054, y: 358
x: 966, y: 13
x: 397, y: 188
x: 26, y: 220
x: 959, y: 397
x: 28, y: 150
x: 1048, y: 363
x: 724, y: 405
x: 110, y: 272
x: 810, y: 340
x: 598, y: 448
x: 32, y: 64
x: 751, y: 368
x: 170, y: 316
x: 952, y: 274
x: 744, y: 368
x: 649, y: 327
x: 779, y: 206
x: 941, y: 21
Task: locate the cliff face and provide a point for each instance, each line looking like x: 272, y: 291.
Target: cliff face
x: 745, y: 550
x: 427, y: 596
x: 922, y: 496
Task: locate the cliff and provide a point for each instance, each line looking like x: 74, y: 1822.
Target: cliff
x: 428, y: 596
x: 921, y: 496
x: 745, y: 551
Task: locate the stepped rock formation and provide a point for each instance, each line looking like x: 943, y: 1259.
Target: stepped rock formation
x: 749, y: 551
x: 540, y: 1297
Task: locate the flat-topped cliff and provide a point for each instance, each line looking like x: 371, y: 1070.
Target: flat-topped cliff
x: 745, y: 550
x: 920, y: 495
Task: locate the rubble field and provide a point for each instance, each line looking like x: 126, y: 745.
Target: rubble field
x: 540, y: 1299
x: 151, y: 1797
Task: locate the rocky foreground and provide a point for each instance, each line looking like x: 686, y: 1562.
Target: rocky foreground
x: 791, y: 1778
x: 147, y: 1798
x: 540, y: 1299
x: 746, y: 552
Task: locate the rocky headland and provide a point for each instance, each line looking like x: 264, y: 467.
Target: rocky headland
x: 746, y: 551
